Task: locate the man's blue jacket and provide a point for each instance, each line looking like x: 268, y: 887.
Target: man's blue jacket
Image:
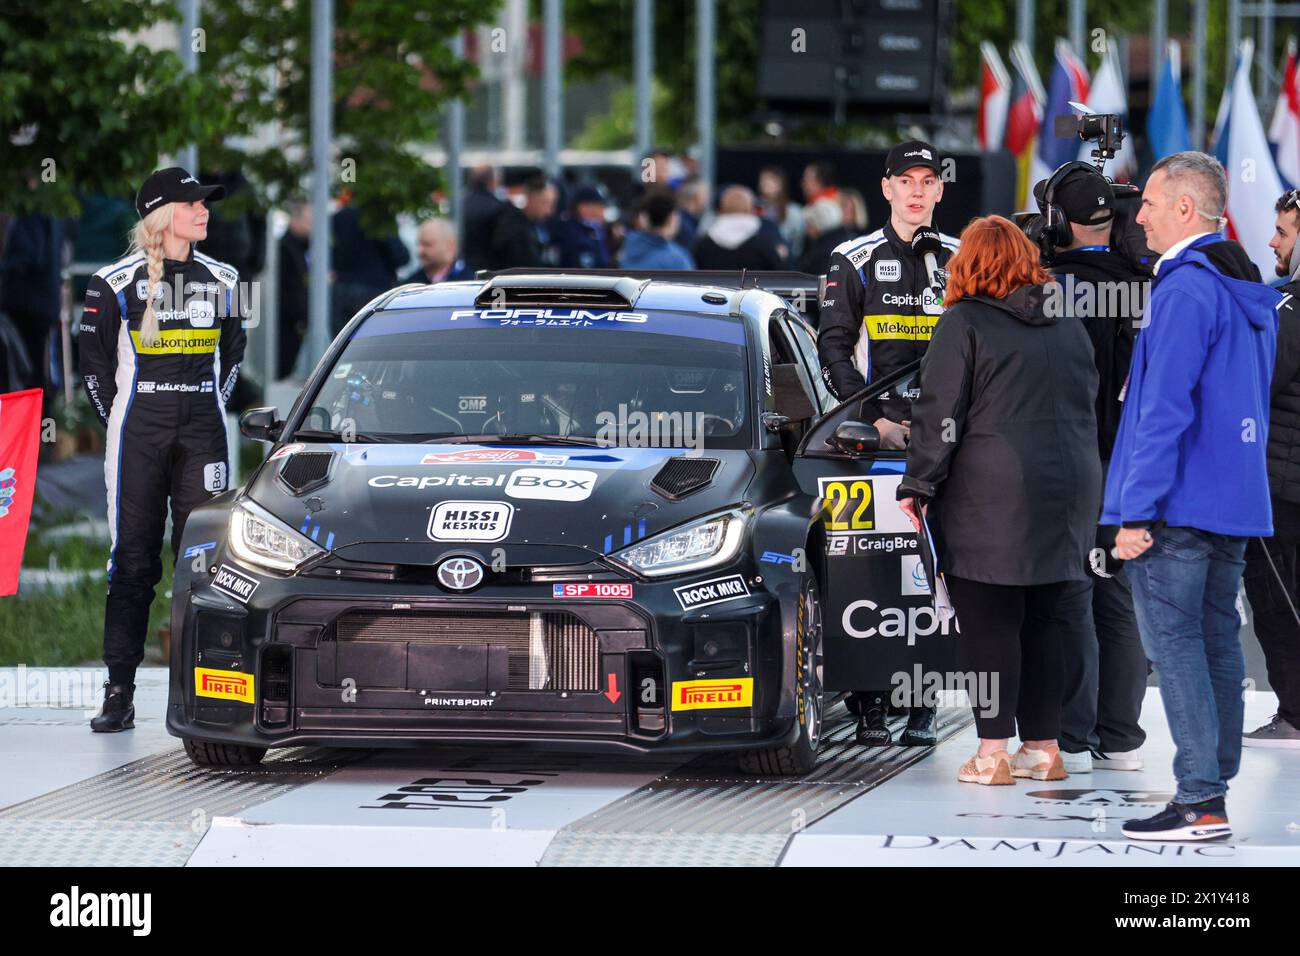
x: 1193, y: 432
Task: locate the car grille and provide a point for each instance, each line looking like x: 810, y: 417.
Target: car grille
x: 548, y: 650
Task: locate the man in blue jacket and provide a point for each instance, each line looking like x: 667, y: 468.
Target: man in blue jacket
x: 648, y: 246
x: 1188, y: 482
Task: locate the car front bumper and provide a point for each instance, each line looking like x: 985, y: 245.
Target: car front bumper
x: 320, y: 661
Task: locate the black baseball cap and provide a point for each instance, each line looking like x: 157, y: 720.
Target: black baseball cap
x: 172, y: 184
x: 909, y: 155
x: 1079, y: 195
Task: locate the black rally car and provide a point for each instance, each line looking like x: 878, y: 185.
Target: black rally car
x: 570, y: 511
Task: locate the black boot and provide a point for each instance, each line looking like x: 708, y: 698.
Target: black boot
x: 872, y: 730
x: 118, y: 712
x: 920, y: 730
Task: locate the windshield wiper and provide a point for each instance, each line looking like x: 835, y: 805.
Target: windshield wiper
x: 520, y: 440
x: 315, y: 434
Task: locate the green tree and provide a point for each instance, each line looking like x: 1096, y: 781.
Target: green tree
x: 86, y: 108
x: 605, y: 27
x: 393, y: 72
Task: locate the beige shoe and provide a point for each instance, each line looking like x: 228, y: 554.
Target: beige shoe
x: 1038, y: 764
x: 993, y: 770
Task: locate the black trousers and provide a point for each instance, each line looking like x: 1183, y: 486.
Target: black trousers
x: 1275, y: 623
x: 1010, y: 647
x: 1105, y: 668
x: 163, y: 450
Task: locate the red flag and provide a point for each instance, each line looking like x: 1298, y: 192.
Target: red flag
x: 20, y: 434
x: 995, y: 96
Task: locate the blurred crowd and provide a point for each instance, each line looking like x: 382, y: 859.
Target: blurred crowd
x: 667, y: 219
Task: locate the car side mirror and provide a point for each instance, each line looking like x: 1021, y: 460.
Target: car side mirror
x: 260, y: 424
x: 856, y: 439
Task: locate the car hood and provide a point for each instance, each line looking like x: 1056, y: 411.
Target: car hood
x: 533, y: 504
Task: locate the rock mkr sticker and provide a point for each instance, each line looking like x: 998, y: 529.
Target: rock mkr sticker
x: 711, y: 592
x: 238, y: 586
x: 470, y: 520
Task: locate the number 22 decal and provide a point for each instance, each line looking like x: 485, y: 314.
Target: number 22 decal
x: 848, y: 505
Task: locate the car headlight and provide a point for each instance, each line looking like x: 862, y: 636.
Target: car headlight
x: 703, y: 544
x: 259, y: 538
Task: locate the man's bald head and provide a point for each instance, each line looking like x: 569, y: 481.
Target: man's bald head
x: 437, y: 246
x: 736, y: 199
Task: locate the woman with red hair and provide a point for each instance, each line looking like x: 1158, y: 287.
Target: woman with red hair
x: 1003, y: 460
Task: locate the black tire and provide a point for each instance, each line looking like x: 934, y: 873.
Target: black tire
x: 799, y: 757
x: 205, y: 754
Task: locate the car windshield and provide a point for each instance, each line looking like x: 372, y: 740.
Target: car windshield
x: 665, y: 380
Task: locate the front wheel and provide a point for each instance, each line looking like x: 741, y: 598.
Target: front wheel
x: 799, y: 757
x: 205, y: 754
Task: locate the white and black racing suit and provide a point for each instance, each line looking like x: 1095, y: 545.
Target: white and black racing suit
x: 164, y: 407
x: 877, y: 316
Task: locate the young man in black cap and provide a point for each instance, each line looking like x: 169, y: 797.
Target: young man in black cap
x: 884, y: 293
x: 1106, y: 667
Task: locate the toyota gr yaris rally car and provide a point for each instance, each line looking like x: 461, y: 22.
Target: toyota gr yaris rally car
x: 567, y: 511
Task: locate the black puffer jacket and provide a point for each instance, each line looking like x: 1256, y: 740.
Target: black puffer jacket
x: 1004, y: 441
x: 1284, y: 405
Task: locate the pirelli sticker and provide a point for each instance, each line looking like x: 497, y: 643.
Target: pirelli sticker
x: 179, y: 342
x: 223, y: 685
x: 720, y: 694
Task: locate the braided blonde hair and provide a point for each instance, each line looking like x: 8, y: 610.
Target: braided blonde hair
x: 147, y: 238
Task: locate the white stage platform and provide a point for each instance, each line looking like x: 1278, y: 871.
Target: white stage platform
x: 69, y: 797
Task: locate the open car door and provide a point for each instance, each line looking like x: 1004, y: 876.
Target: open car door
x: 880, y: 627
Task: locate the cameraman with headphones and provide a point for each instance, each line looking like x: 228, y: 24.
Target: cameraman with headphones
x: 1106, y: 667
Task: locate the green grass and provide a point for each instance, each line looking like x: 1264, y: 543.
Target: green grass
x: 69, y: 552
x: 52, y: 628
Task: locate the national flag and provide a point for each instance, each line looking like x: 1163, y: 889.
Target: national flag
x: 1284, y: 131
x: 20, y: 434
x: 1167, y: 130
x: 995, y: 98
x: 1108, y: 96
x: 1253, y: 182
x: 1067, y: 83
x: 1024, y: 117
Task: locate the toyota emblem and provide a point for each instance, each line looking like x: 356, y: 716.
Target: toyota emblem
x: 460, y: 574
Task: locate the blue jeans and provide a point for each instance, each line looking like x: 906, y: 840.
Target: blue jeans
x: 1185, y: 592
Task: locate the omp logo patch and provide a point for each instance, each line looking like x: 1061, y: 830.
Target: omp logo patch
x: 223, y: 685
x: 179, y: 342
x: 887, y: 270
x: 713, y: 694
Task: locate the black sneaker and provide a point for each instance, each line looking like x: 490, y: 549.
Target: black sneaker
x: 872, y: 729
x: 118, y: 712
x: 1182, y: 821
x: 920, y: 730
